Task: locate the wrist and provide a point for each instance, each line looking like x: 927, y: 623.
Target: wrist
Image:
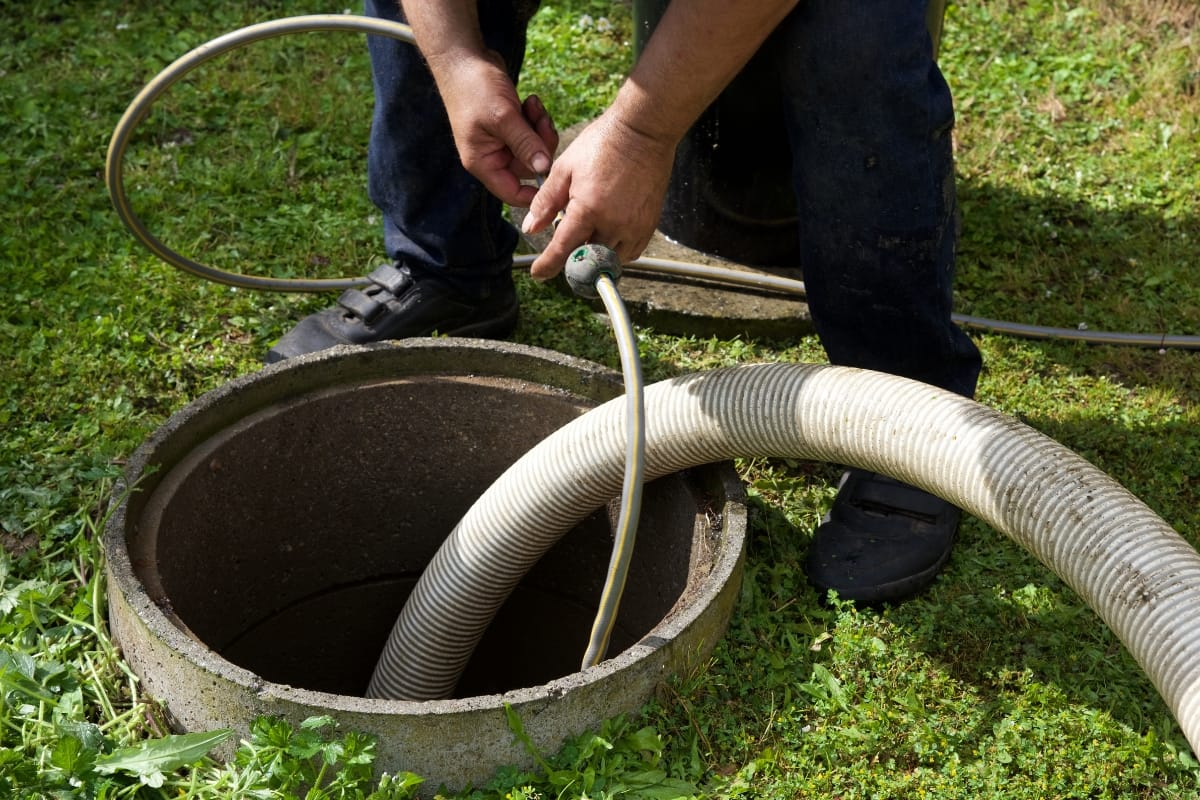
x: 459, y: 58
x: 651, y: 126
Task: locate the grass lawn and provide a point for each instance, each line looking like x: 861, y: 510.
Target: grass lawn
x: 1078, y: 142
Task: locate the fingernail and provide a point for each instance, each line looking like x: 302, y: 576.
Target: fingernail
x: 540, y: 163
x: 527, y: 224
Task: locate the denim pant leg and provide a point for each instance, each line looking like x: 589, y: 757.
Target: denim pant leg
x: 436, y: 216
x: 870, y: 117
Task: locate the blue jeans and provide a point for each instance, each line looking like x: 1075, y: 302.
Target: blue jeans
x: 869, y: 119
x: 437, y: 218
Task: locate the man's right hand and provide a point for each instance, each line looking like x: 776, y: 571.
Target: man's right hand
x: 610, y: 183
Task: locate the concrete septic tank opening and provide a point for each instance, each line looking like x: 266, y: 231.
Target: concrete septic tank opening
x: 277, y: 524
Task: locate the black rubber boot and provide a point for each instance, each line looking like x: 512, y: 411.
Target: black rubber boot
x: 883, y: 541
x: 397, y: 306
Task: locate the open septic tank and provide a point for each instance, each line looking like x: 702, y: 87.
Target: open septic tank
x: 273, y: 529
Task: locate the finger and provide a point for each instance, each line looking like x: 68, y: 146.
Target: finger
x: 636, y: 252
x: 505, y: 185
x: 523, y: 196
x: 540, y: 120
x: 618, y: 249
x: 569, y: 234
x: 525, y: 144
x: 625, y: 252
x: 547, y: 202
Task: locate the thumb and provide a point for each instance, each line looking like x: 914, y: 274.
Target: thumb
x: 551, y: 198
x: 527, y: 147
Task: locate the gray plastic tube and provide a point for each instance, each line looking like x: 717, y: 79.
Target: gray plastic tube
x: 1137, y: 573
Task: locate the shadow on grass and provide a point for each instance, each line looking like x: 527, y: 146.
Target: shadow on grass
x: 1046, y: 260
x: 998, y: 620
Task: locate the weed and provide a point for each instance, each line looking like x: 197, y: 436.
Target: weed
x: 618, y: 761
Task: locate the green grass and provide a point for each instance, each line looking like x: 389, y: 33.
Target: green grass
x: 1078, y: 136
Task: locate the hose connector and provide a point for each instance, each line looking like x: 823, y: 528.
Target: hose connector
x: 587, y: 264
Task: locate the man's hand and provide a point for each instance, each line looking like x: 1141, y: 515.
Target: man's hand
x: 500, y: 140
x: 611, y: 182
x: 612, y: 179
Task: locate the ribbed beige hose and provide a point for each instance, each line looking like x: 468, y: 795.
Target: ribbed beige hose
x: 1139, y: 575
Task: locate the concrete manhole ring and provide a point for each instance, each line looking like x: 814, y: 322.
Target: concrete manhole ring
x: 276, y: 524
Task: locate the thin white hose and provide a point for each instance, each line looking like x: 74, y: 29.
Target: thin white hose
x: 139, y: 108
x: 625, y: 533
x: 1139, y: 575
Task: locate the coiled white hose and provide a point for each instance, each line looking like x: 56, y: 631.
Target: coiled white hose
x: 1137, y: 573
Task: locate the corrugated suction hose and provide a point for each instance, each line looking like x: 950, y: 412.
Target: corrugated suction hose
x: 1138, y: 574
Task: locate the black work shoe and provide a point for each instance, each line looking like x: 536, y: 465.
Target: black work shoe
x: 396, y: 306
x: 883, y: 541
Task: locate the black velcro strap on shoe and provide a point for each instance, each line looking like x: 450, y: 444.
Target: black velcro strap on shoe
x: 392, y: 279
x: 360, y: 305
x: 882, y: 495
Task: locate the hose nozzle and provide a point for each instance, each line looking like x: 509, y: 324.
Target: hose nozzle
x: 587, y: 264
